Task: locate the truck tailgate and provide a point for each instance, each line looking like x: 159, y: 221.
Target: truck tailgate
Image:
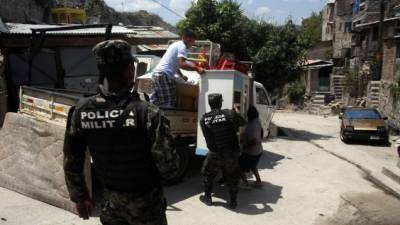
x: 50, y: 106
x: 182, y: 123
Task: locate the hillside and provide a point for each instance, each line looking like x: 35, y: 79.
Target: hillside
x: 37, y: 11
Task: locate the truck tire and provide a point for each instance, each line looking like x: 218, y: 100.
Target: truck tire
x: 185, y: 156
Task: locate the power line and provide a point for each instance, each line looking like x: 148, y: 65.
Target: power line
x: 167, y: 8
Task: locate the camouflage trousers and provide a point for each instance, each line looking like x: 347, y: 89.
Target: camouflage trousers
x: 229, y: 165
x: 133, y: 209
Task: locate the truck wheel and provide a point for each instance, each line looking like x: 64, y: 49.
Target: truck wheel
x: 184, y: 155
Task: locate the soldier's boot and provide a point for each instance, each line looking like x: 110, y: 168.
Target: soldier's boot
x: 206, y: 198
x: 233, y: 200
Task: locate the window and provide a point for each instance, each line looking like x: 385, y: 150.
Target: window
x: 347, y: 27
x: 237, y: 97
x: 261, y: 97
x: 361, y: 114
x: 375, y: 33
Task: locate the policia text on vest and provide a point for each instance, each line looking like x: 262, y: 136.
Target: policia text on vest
x: 106, y: 119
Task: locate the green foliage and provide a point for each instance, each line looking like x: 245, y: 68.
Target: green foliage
x: 221, y: 22
x: 278, y: 61
x: 353, y: 83
x: 312, y: 27
x: 395, y: 90
x: 296, y: 91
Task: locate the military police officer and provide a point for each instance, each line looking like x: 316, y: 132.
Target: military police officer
x: 128, y: 140
x: 220, y: 131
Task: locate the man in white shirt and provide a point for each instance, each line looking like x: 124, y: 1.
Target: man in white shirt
x: 163, y: 75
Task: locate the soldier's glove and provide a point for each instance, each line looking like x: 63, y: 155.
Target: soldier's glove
x: 84, y: 209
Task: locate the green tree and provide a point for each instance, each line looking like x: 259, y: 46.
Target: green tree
x: 276, y: 50
x: 312, y: 27
x: 219, y: 21
x: 279, y: 61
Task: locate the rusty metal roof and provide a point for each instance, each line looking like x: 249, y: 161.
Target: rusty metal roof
x: 317, y: 63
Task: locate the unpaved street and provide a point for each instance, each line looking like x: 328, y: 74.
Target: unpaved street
x: 303, y: 185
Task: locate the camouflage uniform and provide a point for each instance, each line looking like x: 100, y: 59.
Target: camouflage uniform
x: 224, y: 151
x: 130, y: 203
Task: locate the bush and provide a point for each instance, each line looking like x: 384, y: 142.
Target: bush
x: 296, y: 92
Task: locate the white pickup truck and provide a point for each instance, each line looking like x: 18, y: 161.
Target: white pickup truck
x: 53, y: 105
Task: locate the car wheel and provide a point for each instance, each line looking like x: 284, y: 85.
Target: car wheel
x: 343, y: 138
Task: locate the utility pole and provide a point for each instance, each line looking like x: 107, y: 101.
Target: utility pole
x: 379, y: 57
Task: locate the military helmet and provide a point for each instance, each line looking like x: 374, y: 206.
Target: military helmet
x: 113, y: 52
x: 215, y: 100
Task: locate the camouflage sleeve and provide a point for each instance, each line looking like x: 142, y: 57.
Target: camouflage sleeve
x: 163, y: 149
x: 74, y: 159
x: 238, y: 120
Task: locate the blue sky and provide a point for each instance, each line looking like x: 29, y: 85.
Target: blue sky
x: 275, y: 11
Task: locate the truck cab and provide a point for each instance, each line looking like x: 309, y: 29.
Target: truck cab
x: 262, y: 102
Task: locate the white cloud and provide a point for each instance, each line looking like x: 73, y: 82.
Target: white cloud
x: 262, y: 11
x: 135, y: 5
x: 180, y: 6
x: 248, y: 2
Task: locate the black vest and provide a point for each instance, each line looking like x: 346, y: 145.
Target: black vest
x: 116, y: 133
x: 222, y: 135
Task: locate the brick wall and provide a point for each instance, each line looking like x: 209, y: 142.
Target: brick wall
x: 389, y: 60
x: 343, y: 7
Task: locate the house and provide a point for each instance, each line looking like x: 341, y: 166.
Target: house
x: 328, y: 13
x: 317, y: 76
x: 62, y: 56
x: 342, y: 31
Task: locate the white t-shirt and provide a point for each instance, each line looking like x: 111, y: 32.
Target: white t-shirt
x: 169, y: 62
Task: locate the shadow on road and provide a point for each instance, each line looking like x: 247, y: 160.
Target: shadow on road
x: 303, y: 135
x: 189, y: 187
x: 369, y: 143
x: 251, y: 202
x: 269, y: 160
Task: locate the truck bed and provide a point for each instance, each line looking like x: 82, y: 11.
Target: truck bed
x: 53, y: 105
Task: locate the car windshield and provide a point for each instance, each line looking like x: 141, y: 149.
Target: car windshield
x: 361, y: 114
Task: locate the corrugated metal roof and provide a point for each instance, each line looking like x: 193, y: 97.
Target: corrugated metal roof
x: 147, y: 32
x: 152, y: 32
x: 25, y: 29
